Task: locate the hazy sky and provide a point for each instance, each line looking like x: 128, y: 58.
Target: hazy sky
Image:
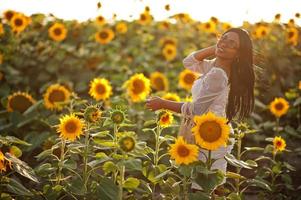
x: 233, y: 11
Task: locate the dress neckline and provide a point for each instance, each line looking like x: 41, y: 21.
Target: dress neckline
x: 222, y: 71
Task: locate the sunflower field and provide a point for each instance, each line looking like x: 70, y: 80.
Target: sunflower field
x: 73, y: 122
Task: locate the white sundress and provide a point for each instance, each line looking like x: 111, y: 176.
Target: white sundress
x: 209, y: 92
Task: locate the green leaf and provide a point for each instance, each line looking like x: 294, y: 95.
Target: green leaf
x: 33, y: 107
x: 76, y: 186
x: 44, y: 154
x: 133, y: 165
x: 234, y: 175
x: 162, y: 174
x: 131, y: 183
x: 199, y: 196
x: 264, y: 158
x: 101, y: 155
x: 233, y: 196
x: 17, y: 188
x: 149, y: 122
x: 185, y: 170
x: 109, y: 167
x: 254, y: 148
x: 259, y: 183
x: 22, y: 168
x: 297, y: 101
x: 100, y: 134
x: 269, y: 148
x: 291, y: 131
x: 107, y: 190
x: 251, y: 163
x: 8, y: 140
x: 209, y: 181
x: 105, y: 143
x: 107, y: 122
x: 237, y: 163
x: 288, y: 166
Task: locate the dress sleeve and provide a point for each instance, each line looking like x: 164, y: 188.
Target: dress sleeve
x: 214, y: 83
x: 190, y: 62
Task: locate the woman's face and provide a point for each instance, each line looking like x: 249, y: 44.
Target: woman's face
x: 227, y: 46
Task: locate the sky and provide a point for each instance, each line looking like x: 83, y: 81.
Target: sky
x: 232, y: 11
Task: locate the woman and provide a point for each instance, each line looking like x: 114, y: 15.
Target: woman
x: 226, y: 87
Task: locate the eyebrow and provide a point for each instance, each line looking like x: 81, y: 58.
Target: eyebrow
x: 231, y: 40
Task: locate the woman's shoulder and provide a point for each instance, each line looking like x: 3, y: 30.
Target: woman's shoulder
x: 217, y: 72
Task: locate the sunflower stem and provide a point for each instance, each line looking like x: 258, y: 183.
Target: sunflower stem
x: 61, y: 162
x: 122, y: 171
x: 238, y: 158
x: 86, y: 156
x: 277, y: 125
x: 209, y: 160
x: 156, y: 156
x: 185, y: 191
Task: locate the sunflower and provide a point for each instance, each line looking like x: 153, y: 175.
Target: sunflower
x: 168, y: 40
x: 121, y: 27
x: 92, y: 114
x: 100, y: 89
x: 182, y: 152
x: 8, y: 14
x: 57, y: 32
x: 127, y: 143
x: 187, y: 78
x: 138, y: 87
x: 226, y: 26
x: 2, y: 162
x: 279, y: 106
x: 70, y: 127
x: 183, y: 17
x: 291, y: 23
x: 277, y: 17
x: 19, y: 101
x: 164, y: 25
x: 172, y: 97
x: 165, y: 118
x: 19, y: 22
x: 100, y: 20
x: 145, y: 18
x: 1, y: 29
x: 159, y: 81
x: 210, y: 131
x: 208, y: 27
x: 55, y: 96
x: 261, y: 31
x: 292, y: 34
x: 169, y: 52
x: 279, y: 143
x: 104, y: 36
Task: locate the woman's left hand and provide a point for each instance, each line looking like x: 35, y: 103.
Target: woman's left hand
x: 154, y: 103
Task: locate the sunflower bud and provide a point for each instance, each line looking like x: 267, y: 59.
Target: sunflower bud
x: 117, y: 116
x: 92, y: 114
x: 127, y: 143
